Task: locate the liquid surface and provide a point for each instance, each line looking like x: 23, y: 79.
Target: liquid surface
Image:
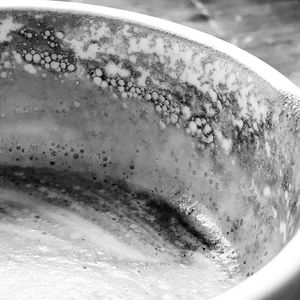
x: 86, y: 241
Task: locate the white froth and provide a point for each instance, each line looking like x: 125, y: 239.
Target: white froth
x: 112, y: 69
x: 29, y: 68
x: 69, y: 257
x: 225, y: 143
x: 6, y: 26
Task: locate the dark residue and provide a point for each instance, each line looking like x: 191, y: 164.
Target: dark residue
x: 129, y: 203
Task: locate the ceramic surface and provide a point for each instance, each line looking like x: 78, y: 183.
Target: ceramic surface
x: 205, y: 127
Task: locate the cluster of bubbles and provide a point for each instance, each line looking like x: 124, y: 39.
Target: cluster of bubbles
x: 45, y: 50
x: 52, y: 57
x: 54, y: 60
x: 5, y: 65
x: 171, y: 110
x: 165, y: 104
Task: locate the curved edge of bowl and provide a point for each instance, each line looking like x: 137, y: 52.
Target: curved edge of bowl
x: 277, y: 280
x: 271, y: 282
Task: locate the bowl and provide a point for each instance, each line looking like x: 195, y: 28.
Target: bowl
x: 142, y: 159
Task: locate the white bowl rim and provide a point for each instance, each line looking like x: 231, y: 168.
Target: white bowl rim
x: 282, y: 271
x: 262, y: 69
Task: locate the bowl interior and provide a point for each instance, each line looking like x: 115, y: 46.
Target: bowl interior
x: 178, y: 150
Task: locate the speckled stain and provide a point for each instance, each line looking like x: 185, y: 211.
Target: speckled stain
x: 160, y: 64
x: 172, y: 116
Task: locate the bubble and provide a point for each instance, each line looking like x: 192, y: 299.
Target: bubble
x: 98, y: 72
x: 97, y: 80
x: 28, y: 57
x: 71, y: 68
x: 186, y: 112
x: 173, y: 118
x: 54, y: 65
x: 36, y: 58
x: 59, y: 35
x: 3, y: 75
x: 104, y: 84
x: 192, y: 127
x: 162, y: 125
x: 76, y: 104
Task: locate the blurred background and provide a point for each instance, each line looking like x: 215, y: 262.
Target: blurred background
x: 269, y: 29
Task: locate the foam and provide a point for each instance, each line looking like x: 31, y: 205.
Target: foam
x: 47, y: 242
